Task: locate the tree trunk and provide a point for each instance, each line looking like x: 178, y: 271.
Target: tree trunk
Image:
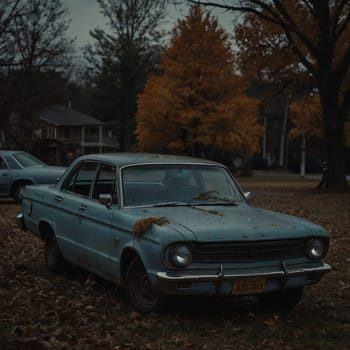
x: 336, y: 179
x: 283, y: 133
x: 333, y: 122
x: 303, y: 157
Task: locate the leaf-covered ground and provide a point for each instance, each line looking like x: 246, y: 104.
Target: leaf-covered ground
x: 40, y: 310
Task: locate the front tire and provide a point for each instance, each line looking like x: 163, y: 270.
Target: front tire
x: 281, y: 301
x: 139, y: 291
x: 53, y: 256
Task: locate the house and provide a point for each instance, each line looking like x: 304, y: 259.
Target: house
x: 64, y: 134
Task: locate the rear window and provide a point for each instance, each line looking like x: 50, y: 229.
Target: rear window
x: 26, y: 160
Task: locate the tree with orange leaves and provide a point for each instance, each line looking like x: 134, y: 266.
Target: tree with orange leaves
x: 306, y: 119
x: 317, y: 35
x: 197, y: 104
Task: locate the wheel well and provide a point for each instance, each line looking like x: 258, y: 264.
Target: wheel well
x: 19, y: 182
x: 128, y: 255
x: 44, y: 229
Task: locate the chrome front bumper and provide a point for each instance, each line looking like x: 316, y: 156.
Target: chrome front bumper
x: 222, y: 276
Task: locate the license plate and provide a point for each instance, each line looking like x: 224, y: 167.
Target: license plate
x: 249, y: 285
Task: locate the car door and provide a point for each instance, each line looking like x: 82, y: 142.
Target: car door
x: 4, y: 177
x: 70, y: 203
x: 95, y: 222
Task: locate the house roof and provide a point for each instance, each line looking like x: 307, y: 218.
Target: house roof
x: 63, y: 116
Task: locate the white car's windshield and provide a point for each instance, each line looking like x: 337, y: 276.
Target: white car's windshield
x: 178, y: 184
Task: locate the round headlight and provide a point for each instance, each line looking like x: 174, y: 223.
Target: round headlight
x: 316, y: 248
x: 180, y: 256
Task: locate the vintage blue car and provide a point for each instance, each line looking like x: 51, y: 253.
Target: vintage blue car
x: 18, y: 169
x: 165, y: 225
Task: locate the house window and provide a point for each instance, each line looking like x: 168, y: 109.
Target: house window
x: 91, y: 134
x: 50, y: 132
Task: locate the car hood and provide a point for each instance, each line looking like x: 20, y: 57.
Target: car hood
x: 227, y: 223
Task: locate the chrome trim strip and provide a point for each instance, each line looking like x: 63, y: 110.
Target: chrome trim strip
x: 325, y: 268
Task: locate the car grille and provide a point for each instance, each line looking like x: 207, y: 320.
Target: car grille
x: 248, y: 251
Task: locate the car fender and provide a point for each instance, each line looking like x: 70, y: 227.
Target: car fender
x: 140, y: 248
x: 43, y: 227
x: 16, y: 181
x: 126, y: 257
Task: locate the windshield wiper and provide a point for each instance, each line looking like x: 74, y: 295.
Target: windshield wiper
x: 224, y: 202
x: 206, y: 195
x: 173, y: 204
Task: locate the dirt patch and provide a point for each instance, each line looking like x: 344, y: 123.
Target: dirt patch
x: 76, y: 310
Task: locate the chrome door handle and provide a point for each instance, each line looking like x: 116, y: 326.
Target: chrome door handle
x: 58, y: 198
x: 82, y: 207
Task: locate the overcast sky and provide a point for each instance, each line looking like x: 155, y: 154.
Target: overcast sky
x: 85, y: 16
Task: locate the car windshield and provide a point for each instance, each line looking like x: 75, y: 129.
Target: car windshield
x: 179, y: 184
x: 26, y: 160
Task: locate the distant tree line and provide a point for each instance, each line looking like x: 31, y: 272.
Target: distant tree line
x: 35, y: 60
x: 121, y: 60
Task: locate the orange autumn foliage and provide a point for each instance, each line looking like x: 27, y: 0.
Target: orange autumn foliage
x: 197, y: 102
x: 264, y: 52
x: 306, y: 118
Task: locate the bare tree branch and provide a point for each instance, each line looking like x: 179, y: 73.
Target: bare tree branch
x: 7, y: 14
x: 280, y: 18
x: 342, y: 26
x: 337, y: 13
x: 309, y: 7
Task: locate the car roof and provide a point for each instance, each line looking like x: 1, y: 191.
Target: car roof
x: 124, y: 159
x: 10, y: 152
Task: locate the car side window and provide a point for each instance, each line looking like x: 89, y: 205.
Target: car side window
x: 3, y: 165
x: 82, y: 179
x: 106, y: 182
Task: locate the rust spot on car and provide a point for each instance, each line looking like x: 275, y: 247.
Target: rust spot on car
x: 141, y: 226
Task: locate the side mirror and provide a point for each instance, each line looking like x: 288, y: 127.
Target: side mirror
x: 248, y: 196
x: 105, y: 199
